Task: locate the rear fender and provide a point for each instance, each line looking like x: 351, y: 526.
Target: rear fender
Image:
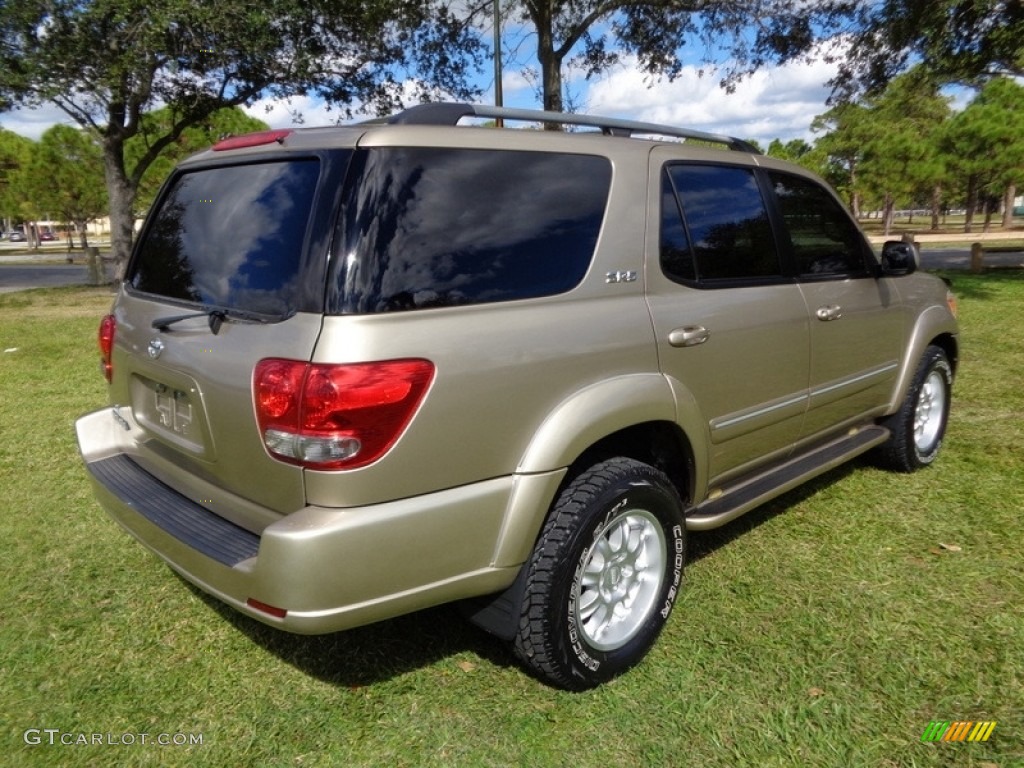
x: 577, y: 423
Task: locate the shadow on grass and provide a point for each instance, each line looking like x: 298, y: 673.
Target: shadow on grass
x: 703, y: 544
x: 374, y: 653
x: 388, y: 649
x: 971, y: 286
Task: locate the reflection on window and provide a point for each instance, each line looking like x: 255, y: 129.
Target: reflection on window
x: 443, y: 227
x: 676, y: 257
x: 727, y: 221
x: 230, y: 237
x: 825, y: 241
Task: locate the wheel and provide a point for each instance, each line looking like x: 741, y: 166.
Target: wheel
x: 920, y: 424
x: 604, y: 575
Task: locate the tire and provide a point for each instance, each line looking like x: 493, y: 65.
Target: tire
x: 920, y: 425
x: 596, y: 599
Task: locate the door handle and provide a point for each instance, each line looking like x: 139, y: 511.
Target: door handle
x: 831, y: 312
x: 688, y: 336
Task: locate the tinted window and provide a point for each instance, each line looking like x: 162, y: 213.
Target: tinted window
x: 676, y: 256
x: 825, y: 241
x: 230, y: 237
x: 445, y: 227
x: 727, y: 222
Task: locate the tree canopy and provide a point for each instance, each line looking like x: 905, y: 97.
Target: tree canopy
x: 232, y: 121
x: 15, y: 155
x: 596, y: 34
x: 965, y: 41
x: 107, y: 63
x: 62, y: 178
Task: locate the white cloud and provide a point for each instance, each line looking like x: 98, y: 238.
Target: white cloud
x: 775, y: 102
x: 32, y: 123
x: 515, y: 81
x: 298, y: 111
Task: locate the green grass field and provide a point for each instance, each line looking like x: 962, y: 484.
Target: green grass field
x: 825, y: 629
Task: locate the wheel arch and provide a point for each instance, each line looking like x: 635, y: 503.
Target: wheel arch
x: 632, y: 416
x: 934, y: 327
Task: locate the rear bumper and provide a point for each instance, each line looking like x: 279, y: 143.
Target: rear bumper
x: 329, y: 569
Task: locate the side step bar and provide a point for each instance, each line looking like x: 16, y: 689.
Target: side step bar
x: 754, y: 491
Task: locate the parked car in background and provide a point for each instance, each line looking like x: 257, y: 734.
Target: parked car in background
x: 17, y: 237
x: 359, y: 371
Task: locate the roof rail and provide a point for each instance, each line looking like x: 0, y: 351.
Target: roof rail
x: 447, y: 113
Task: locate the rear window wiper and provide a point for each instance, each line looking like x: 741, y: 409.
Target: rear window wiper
x: 218, y: 316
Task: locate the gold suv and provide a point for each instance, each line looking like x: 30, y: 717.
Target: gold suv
x: 358, y: 371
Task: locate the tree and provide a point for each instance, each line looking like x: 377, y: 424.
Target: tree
x: 985, y: 145
x: 15, y: 154
x: 65, y: 177
x: 225, y: 122
x: 107, y: 63
x: 967, y: 41
x: 793, y: 150
x: 902, y: 159
x: 956, y: 40
x: 847, y: 129
x: 654, y: 31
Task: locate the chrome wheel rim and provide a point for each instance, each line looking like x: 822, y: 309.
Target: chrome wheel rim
x: 929, y: 412
x: 621, y: 576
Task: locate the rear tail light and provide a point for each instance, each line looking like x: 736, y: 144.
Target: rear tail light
x: 106, y: 338
x: 336, y: 416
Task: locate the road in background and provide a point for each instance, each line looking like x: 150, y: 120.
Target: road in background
x: 19, y: 277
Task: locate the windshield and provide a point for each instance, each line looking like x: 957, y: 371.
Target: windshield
x: 230, y: 237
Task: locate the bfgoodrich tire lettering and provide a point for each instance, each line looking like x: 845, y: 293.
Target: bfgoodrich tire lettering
x: 603, y: 576
x: 920, y: 425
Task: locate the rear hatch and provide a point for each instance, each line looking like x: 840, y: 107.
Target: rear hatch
x: 229, y: 270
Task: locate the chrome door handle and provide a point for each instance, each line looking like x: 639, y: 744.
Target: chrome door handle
x: 832, y: 312
x: 688, y: 336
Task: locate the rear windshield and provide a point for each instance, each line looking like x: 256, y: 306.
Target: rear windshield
x: 230, y: 237
x: 428, y: 227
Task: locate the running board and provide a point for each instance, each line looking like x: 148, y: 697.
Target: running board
x: 756, y: 490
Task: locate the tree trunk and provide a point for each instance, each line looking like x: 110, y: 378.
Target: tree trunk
x: 1008, y: 198
x: 854, y: 194
x: 122, y: 200
x: 936, y: 205
x: 890, y: 206
x: 972, y: 202
x: 550, y: 61
x: 82, y: 234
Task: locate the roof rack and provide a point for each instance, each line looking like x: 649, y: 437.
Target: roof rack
x: 447, y: 113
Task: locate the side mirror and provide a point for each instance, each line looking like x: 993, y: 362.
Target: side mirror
x: 899, y: 258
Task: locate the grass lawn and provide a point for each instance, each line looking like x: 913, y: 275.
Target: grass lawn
x: 825, y: 629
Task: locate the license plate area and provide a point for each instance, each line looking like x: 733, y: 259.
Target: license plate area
x: 171, y: 410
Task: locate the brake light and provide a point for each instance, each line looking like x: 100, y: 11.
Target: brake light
x: 108, y: 325
x: 336, y: 416
x: 252, y: 139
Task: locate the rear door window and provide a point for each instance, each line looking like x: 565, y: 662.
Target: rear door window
x: 721, y: 222
x: 230, y: 236
x: 433, y: 227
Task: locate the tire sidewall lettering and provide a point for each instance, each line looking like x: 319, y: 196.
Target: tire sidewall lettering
x: 587, y: 656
